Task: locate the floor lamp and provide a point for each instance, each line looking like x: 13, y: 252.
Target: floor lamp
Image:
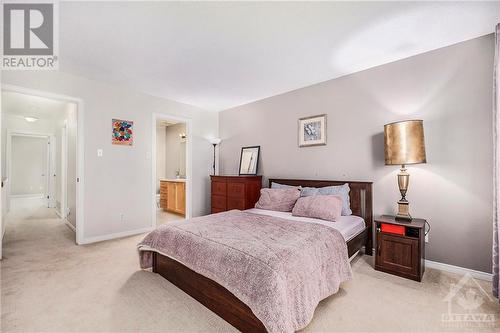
x: 215, y: 142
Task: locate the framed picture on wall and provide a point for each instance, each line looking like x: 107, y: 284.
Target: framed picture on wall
x: 249, y: 160
x: 123, y: 132
x: 312, y: 131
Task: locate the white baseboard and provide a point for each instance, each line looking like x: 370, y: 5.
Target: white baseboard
x: 27, y: 196
x: 96, y: 239
x: 458, y: 270
x: 72, y: 227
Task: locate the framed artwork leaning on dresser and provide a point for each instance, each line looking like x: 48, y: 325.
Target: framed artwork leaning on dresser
x: 249, y: 161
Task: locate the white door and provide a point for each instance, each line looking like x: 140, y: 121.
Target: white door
x: 29, y: 166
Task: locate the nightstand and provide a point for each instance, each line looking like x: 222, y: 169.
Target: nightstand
x: 400, y: 247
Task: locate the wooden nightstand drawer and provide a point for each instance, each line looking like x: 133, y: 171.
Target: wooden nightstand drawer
x: 397, y: 253
x: 400, y: 247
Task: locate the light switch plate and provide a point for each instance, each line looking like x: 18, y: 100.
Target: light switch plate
x: 99, y: 152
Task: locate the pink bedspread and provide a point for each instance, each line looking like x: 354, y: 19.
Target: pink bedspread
x: 281, y: 269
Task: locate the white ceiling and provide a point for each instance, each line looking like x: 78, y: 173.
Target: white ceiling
x: 217, y: 55
x: 22, y: 105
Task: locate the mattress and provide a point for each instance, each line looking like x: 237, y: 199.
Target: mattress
x: 349, y: 226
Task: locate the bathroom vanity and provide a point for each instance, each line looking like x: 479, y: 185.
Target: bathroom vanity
x: 173, y: 195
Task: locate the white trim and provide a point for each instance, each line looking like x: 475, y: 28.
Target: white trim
x: 355, y: 254
x: 51, y: 177
x: 157, y: 203
x: 80, y: 200
x: 116, y: 235
x: 458, y: 270
x: 69, y: 225
x: 28, y: 196
x: 189, y: 159
x: 64, y: 171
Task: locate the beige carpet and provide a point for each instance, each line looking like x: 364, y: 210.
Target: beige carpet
x: 51, y: 285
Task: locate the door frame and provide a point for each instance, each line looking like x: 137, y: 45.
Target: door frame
x: 64, y: 171
x: 189, y: 170
x: 49, y: 188
x: 80, y: 148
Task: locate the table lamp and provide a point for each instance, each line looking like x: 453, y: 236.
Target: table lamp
x: 404, y: 144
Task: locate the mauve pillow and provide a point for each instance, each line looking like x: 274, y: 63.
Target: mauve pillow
x: 281, y: 200
x: 324, y: 207
x: 340, y: 190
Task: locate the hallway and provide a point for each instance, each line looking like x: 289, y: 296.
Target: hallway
x: 49, y: 284
x: 30, y: 220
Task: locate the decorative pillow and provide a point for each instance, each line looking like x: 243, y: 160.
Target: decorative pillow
x: 281, y: 200
x: 282, y: 186
x: 341, y: 190
x: 325, y: 207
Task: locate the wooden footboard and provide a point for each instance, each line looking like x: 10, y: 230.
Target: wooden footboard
x: 217, y: 298
x: 209, y: 293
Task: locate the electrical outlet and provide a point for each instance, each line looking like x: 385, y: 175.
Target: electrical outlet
x: 122, y: 217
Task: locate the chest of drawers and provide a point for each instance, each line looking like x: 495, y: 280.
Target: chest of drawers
x: 235, y: 192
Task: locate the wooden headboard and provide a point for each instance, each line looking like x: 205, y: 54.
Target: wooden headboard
x: 360, y: 195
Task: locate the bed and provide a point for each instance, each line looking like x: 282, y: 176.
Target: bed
x: 355, y: 231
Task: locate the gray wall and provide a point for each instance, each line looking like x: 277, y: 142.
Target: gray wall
x: 449, y: 88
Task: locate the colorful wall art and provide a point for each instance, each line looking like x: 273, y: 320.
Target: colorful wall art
x: 123, y: 132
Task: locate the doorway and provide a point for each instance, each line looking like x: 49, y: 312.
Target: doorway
x: 171, y: 169
x: 29, y: 165
x: 40, y: 154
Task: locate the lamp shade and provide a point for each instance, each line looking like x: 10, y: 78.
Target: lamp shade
x: 404, y: 142
x: 215, y: 141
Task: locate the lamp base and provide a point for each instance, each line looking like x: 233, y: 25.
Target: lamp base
x: 403, y: 211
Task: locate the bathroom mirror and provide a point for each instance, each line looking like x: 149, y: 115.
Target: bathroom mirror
x: 249, y: 160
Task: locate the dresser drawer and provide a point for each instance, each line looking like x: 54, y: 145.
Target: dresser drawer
x: 218, y: 201
x: 236, y: 190
x: 219, y: 188
x: 235, y: 203
x: 217, y: 210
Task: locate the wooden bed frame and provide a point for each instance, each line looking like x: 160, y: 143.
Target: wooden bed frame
x: 221, y: 301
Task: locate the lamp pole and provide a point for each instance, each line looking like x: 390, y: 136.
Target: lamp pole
x: 214, y: 144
